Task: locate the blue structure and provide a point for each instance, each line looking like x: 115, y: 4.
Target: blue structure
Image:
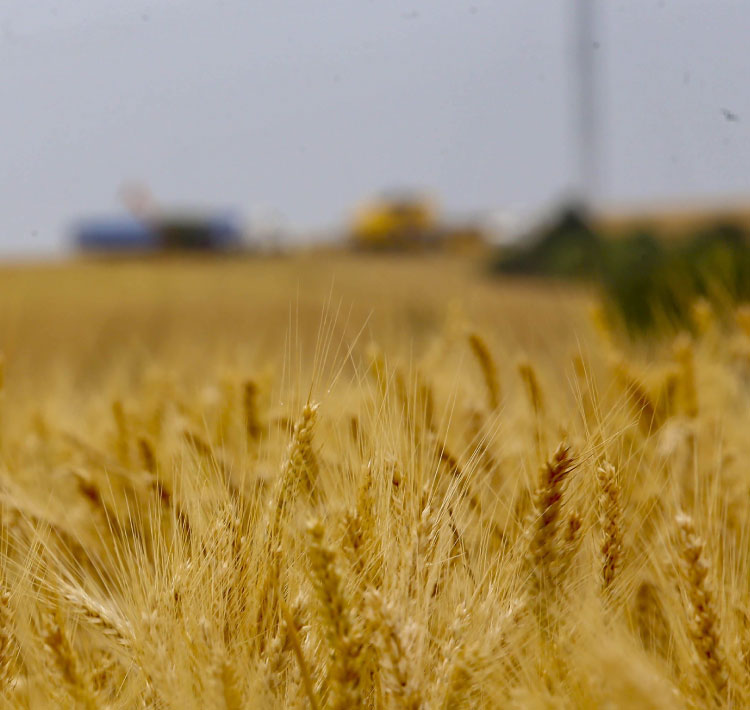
x: 116, y: 234
x: 128, y: 234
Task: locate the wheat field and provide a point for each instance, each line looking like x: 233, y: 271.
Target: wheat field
x: 329, y: 481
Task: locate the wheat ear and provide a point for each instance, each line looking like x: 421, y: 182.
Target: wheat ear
x: 488, y: 367
x: 610, y: 517
x: 703, y: 618
x: 544, y: 544
x: 344, y: 670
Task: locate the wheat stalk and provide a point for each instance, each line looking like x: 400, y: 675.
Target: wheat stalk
x: 610, y: 518
x: 250, y: 409
x: 102, y: 619
x: 488, y: 367
x: 395, y: 668
x: 7, y: 641
x: 300, y: 469
x: 345, y: 644
x: 64, y: 659
x: 703, y: 619
x: 544, y: 549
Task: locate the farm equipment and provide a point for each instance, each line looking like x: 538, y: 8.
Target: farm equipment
x: 395, y: 222
x: 410, y: 222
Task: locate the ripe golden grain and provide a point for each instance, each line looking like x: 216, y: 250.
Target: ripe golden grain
x: 488, y: 367
x: 703, y: 618
x: 610, y: 518
x: 151, y: 541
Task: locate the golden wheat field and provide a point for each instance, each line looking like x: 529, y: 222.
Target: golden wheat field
x: 330, y: 481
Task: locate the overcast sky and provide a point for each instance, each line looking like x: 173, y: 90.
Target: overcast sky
x: 306, y: 106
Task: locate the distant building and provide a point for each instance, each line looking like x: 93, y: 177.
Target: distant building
x: 159, y: 232
x: 122, y: 233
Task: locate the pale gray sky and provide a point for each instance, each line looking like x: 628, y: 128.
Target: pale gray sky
x: 306, y: 106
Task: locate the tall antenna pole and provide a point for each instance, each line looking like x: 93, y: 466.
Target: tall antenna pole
x: 584, y: 24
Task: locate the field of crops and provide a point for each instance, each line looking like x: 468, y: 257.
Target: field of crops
x: 328, y: 481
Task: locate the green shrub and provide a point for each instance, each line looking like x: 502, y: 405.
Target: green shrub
x: 647, y: 283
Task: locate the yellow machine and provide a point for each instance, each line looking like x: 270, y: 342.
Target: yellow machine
x: 396, y: 222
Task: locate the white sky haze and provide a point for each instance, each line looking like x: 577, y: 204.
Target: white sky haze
x: 307, y: 106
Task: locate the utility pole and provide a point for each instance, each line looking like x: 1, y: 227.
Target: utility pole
x: 586, y: 104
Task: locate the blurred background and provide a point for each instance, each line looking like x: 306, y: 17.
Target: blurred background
x: 297, y: 122
x: 598, y: 143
